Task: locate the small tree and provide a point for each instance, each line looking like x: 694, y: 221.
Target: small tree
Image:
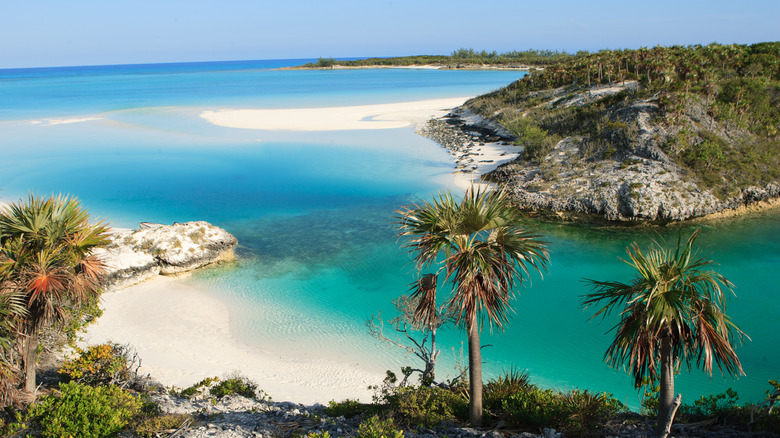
x: 671, y: 312
x: 46, y: 263
x: 478, y: 243
x: 408, y: 326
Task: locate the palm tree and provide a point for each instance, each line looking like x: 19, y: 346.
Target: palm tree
x: 671, y: 312
x: 46, y: 261
x: 485, y: 251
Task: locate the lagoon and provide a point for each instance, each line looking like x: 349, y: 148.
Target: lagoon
x: 313, y: 212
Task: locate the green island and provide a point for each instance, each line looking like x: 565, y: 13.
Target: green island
x: 461, y: 58
x: 656, y: 135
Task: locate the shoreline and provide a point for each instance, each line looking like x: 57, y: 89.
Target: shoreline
x: 183, y: 335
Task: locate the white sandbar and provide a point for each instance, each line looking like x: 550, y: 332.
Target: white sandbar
x: 380, y: 116
x: 183, y: 335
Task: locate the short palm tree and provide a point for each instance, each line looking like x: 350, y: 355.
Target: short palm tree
x: 46, y: 263
x: 670, y: 313
x: 485, y: 252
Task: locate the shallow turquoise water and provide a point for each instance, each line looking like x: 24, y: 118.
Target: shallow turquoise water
x: 313, y: 212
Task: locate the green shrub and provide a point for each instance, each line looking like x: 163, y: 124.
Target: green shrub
x: 80, y: 317
x: 533, y: 409
x: 235, y: 385
x: 576, y: 412
x: 152, y: 427
x: 84, y: 411
x: 348, y: 408
x: 198, y: 387
x: 373, y: 427
x: 324, y: 434
x: 714, y: 405
x: 497, y: 390
x: 587, y: 412
x: 426, y: 406
x: 99, y: 365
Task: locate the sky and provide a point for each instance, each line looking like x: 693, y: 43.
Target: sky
x: 47, y: 33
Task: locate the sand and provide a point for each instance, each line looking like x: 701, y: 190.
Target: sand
x: 183, y: 335
x: 380, y: 116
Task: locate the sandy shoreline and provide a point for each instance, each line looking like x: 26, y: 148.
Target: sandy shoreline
x: 182, y: 335
x: 380, y: 116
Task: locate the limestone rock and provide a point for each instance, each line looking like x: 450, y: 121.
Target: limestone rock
x: 634, y: 181
x: 133, y: 256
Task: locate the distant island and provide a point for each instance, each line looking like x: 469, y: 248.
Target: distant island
x: 652, y: 135
x: 461, y: 58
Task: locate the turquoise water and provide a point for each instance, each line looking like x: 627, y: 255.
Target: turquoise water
x: 313, y: 212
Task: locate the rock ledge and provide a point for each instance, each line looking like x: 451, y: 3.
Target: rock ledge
x: 133, y: 256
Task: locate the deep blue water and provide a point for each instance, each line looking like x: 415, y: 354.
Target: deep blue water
x: 313, y: 212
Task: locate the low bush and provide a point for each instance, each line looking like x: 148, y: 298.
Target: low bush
x: 198, y: 388
x: 102, y: 364
x: 154, y: 426
x: 349, y: 408
x: 531, y: 408
x: 373, y: 427
x: 235, y: 385
x: 426, y: 406
x: 83, y: 411
x: 499, y: 389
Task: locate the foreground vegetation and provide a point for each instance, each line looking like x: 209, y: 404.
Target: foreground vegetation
x: 718, y: 105
x: 100, y: 394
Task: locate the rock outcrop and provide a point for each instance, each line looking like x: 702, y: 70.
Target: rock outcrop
x: 633, y: 181
x: 133, y: 256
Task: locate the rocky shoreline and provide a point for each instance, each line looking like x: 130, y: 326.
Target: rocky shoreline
x: 133, y: 256
x: 640, y: 185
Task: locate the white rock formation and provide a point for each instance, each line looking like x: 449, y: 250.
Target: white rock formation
x: 133, y: 256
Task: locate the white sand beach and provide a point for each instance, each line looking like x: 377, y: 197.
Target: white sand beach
x: 183, y: 335
x: 380, y: 116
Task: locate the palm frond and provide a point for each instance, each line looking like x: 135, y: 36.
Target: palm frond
x: 482, y: 249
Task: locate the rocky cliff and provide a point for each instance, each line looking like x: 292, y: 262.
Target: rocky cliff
x: 624, y: 175
x: 133, y: 256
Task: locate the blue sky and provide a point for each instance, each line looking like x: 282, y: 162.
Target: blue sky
x: 35, y: 33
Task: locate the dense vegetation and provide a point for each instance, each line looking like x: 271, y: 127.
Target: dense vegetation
x: 720, y: 105
x: 460, y: 57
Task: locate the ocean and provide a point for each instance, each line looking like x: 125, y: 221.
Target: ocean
x: 314, y: 213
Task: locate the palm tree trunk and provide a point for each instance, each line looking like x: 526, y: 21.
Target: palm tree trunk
x: 30, y: 355
x: 431, y: 365
x: 666, y: 393
x: 475, y: 372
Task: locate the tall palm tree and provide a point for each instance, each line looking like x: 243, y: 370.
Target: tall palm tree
x: 671, y: 312
x: 46, y: 260
x: 485, y: 252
